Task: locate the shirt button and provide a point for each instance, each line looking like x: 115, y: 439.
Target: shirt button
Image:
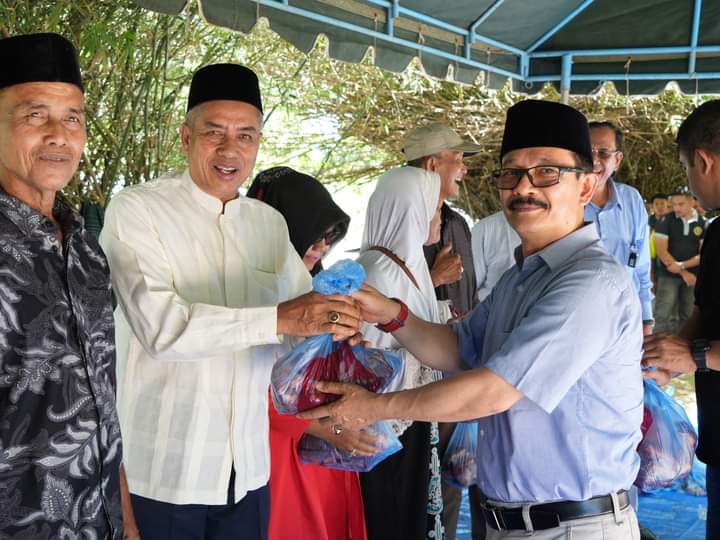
x: 482, y: 432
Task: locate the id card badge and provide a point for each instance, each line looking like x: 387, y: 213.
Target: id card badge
x: 632, y: 259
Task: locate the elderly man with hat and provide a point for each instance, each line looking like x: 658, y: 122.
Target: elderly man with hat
x: 548, y: 364
x: 437, y: 147
x: 207, y: 283
x: 60, y: 448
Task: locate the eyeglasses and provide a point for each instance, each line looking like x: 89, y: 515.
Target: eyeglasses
x: 604, y: 153
x: 330, y: 236
x: 540, y: 176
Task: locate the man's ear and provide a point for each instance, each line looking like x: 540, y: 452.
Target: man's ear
x: 619, y: 157
x: 185, y: 137
x: 587, y: 188
x: 430, y: 164
x: 705, y: 161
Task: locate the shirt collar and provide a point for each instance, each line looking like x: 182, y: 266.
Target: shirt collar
x: 561, y: 250
x: 29, y: 220
x: 693, y: 217
x: 613, y: 199
x: 207, y: 201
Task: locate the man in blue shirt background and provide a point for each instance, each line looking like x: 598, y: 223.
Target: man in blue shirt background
x: 619, y: 213
x: 548, y: 364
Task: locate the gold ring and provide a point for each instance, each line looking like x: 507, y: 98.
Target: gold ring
x: 333, y: 317
x: 337, y: 429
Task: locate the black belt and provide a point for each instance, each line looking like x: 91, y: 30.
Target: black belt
x: 549, y: 515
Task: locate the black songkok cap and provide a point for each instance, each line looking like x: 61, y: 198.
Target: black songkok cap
x: 533, y: 123
x: 224, y: 81
x: 38, y: 58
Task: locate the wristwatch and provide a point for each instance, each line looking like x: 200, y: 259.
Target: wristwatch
x: 699, y: 349
x: 398, y: 321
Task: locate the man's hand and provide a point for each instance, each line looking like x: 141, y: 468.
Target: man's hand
x: 312, y: 314
x: 688, y: 277
x: 668, y: 352
x: 355, y: 409
x: 350, y: 441
x: 674, y: 267
x: 130, y: 528
x: 447, y: 267
x: 374, y: 306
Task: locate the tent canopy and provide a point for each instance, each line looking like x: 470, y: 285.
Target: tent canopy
x: 577, y: 45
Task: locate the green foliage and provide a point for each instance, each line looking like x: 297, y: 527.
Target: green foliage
x: 343, y: 123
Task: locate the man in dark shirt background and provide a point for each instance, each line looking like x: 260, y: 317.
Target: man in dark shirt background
x: 660, y: 208
x: 678, y: 238
x: 697, y: 348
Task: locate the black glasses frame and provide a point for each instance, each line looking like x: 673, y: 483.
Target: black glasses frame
x: 604, y: 153
x: 520, y: 172
x: 331, y: 236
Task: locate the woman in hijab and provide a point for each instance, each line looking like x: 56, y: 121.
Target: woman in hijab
x: 309, y: 501
x: 403, y: 493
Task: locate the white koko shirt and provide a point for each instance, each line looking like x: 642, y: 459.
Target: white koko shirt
x: 198, y: 291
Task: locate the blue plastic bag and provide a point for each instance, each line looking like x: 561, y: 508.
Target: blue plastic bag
x: 459, y: 464
x: 295, y: 375
x: 669, y: 441
x: 315, y: 451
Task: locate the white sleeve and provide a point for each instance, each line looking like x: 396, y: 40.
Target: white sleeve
x: 168, y: 326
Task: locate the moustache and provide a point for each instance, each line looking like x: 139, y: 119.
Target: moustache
x: 525, y: 201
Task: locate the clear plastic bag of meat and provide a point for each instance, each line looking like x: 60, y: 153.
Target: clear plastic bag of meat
x: 296, y: 374
x: 669, y: 441
x: 459, y: 464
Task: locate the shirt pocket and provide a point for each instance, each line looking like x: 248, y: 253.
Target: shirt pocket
x: 264, y: 288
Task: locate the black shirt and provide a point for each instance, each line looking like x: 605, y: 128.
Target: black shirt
x: 682, y: 244
x: 454, y: 228
x: 707, y: 384
x: 652, y: 221
x: 60, y: 449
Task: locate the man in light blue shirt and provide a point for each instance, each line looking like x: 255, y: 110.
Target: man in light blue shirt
x: 619, y: 213
x: 549, y: 363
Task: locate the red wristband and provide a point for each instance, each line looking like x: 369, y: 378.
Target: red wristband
x: 398, y: 321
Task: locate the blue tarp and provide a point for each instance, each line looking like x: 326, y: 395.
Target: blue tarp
x: 672, y: 514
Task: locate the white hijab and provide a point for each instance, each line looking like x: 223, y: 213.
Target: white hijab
x: 398, y: 218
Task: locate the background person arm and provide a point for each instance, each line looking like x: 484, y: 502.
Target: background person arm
x: 672, y: 354
x: 644, y: 263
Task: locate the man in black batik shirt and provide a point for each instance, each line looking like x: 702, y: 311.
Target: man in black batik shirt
x: 60, y: 448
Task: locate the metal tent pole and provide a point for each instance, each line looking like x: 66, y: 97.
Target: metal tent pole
x: 565, y: 80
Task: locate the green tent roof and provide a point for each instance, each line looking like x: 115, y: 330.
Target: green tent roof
x: 641, y: 45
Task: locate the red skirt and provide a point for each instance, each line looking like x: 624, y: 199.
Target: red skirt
x: 309, y: 501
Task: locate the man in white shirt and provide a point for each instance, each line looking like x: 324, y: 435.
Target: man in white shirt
x: 204, y: 281
x: 493, y: 245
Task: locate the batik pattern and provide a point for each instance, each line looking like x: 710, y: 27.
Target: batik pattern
x: 60, y: 448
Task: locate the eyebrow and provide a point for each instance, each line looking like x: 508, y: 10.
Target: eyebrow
x: 209, y: 124
x: 543, y: 160
x: 36, y: 105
